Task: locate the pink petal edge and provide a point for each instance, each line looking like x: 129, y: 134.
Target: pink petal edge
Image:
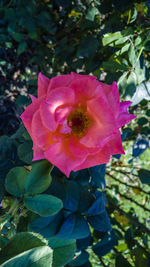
x: 43, y: 83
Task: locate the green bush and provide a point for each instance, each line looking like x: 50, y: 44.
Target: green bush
x: 111, y: 40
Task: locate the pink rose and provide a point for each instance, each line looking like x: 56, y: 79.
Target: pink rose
x: 74, y: 122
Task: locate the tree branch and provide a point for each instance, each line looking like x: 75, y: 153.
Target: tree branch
x: 102, y: 262
x: 129, y: 185
x: 134, y: 220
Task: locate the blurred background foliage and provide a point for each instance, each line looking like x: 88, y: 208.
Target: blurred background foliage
x: 111, y: 40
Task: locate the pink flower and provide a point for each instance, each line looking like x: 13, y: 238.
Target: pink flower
x: 74, y: 122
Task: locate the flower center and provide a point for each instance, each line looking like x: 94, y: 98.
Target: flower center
x: 78, y: 122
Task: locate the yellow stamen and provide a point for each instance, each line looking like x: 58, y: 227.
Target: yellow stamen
x: 79, y: 122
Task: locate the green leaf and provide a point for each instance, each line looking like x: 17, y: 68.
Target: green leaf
x: 111, y: 37
x: 120, y: 41
x: 4, y: 220
x: 140, y: 257
x: 25, y: 152
x: 2, y: 191
x: 130, y: 86
x: 122, y: 247
x: 142, y: 121
x: 39, y: 177
x: 41, y: 256
x: 44, y: 205
x: 92, y: 12
x: 19, y: 133
x: 21, y: 100
x: 3, y: 62
x: 123, y: 80
x: 148, y: 113
x: 124, y: 49
x: 142, y: 92
x: 15, y: 181
x: 26, y: 136
x: 121, y: 261
x: 64, y: 250
x: 113, y: 66
x: 132, y: 55
x: 12, y: 27
x: 21, y: 48
x: 87, y: 47
x: 133, y: 14
x: 3, y: 241
x: 140, y: 74
x: 105, y: 245
x: 132, y: 79
x: 138, y: 41
x: 19, y: 243
x: 18, y: 37
x: 127, y: 83
x: 81, y: 259
x: 33, y: 35
x: 144, y: 176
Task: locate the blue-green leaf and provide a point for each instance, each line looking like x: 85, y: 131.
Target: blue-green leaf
x: 92, y: 12
x: 39, y: 178
x: 15, y: 181
x: 144, y: 176
x: 64, y: 250
x: 21, y: 242
x: 100, y: 222
x: 41, y: 256
x: 105, y: 245
x: 44, y: 205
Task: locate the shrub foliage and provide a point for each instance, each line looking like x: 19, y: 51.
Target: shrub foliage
x: 99, y: 216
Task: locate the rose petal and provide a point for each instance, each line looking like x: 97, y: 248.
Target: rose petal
x: 27, y: 115
x: 112, y: 95
x: 80, y: 150
x: 61, y: 113
x: 76, y: 75
x: 56, y: 98
x: 115, y: 145
x: 41, y: 135
x: 32, y: 97
x: 59, y: 81
x: 66, y: 79
x: 124, y: 106
x: 43, y: 83
x: 77, y: 148
x: 84, y: 89
x: 124, y: 116
x: 59, y: 155
x: 92, y: 160
x: 48, y: 116
x: 113, y: 98
x: 103, y: 124
x: 64, y: 128
x: 38, y: 153
x: 106, y: 88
